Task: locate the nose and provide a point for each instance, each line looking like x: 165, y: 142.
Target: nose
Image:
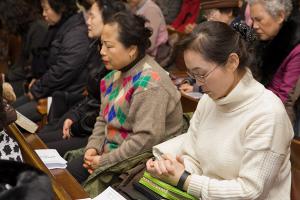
x: 44, y: 13
x: 88, y: 21
x: 255, y: 25
x: 102, y: 50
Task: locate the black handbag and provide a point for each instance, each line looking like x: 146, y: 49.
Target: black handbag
x: 22, y: 181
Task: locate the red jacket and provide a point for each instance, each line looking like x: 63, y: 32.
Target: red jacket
x: 188, y: 14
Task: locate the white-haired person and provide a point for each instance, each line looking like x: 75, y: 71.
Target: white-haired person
x: 277, y: 24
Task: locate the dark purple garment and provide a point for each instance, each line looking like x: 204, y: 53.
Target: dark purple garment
x: 287, y: 75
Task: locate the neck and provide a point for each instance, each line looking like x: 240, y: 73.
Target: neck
x: 236, y: 79
x: 132, y: 64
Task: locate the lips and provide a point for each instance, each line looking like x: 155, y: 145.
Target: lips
x: 105, y: 62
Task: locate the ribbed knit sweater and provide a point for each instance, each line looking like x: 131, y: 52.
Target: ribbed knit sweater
x: 237, y: 147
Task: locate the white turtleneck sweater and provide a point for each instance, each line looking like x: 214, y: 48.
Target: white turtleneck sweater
x: 237, y: 147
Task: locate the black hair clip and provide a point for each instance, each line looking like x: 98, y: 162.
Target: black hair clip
x: 246, y: 32
x: 105, y: 4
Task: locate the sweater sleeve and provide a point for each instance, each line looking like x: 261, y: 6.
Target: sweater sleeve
x: 147, y: 115
x: 97, y: 138
x: 265, y: 149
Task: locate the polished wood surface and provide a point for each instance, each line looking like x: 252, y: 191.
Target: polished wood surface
x: 295, y: 161
x: 188, y: 103
x: 64, y: 185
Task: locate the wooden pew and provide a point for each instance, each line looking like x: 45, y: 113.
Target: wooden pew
x: 64, y: 185
x: 295, y: 162
x: 188, y: 103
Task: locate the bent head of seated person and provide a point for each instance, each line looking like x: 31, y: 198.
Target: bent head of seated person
x: 277, y: 25
x: 238, y: 143
x: 220, y: 10
x: 140, y: 106
x: 269, y: 16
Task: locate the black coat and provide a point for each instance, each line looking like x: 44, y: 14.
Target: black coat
x: 84, y: 114
x: 67, y: 60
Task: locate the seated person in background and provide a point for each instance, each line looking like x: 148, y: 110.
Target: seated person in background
x: 277, y: 24
x: 188, y: 14
x: 22, y: 19
x: 140, y: 106
x: 64, y: 60
x: 84, y: 7
x: 238, y: 142
x: 226, y: 11
x: 9, y: 148
x: 72, y: 130
x: 8, y: 92
x: 218, y: 10
x: 153, y: 14
x: 169, y: 8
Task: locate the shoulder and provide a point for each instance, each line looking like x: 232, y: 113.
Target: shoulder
x: 295, y: 51
x: 38, y: 25
x: 152, y: 11
x: 73, y: 25
x: 153, y: 76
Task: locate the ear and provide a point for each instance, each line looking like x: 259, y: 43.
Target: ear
x: 281, y: 17
x: 133, y: 50
x: 233, y: 62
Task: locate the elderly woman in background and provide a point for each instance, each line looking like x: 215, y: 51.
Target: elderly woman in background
x: 277, y: 25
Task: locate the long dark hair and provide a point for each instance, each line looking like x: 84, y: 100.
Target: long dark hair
x: 16, y: 15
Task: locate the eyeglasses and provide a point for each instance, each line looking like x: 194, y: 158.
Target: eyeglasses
x: 200, y: 78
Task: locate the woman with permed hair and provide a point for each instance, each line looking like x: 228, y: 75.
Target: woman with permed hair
x: 140, y: 106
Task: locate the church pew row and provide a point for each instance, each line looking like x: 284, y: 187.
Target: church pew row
x: 64, y: 185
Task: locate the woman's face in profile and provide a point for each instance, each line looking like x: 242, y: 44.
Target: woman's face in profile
x: 215, y: 80
x: 114, y: 54
x: 94, y: 22
x: 265, y: 25
x: 49, y: 14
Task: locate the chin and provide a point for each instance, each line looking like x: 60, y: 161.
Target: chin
x: 109, y: 67
x: 264, y: 37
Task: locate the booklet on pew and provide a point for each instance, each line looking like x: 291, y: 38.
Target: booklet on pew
x: 26, y: 123
x: 51, y: 158
x: 108, y: 194
x: 196, y: 95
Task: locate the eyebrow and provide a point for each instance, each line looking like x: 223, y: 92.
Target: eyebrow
x: 197, y: 69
